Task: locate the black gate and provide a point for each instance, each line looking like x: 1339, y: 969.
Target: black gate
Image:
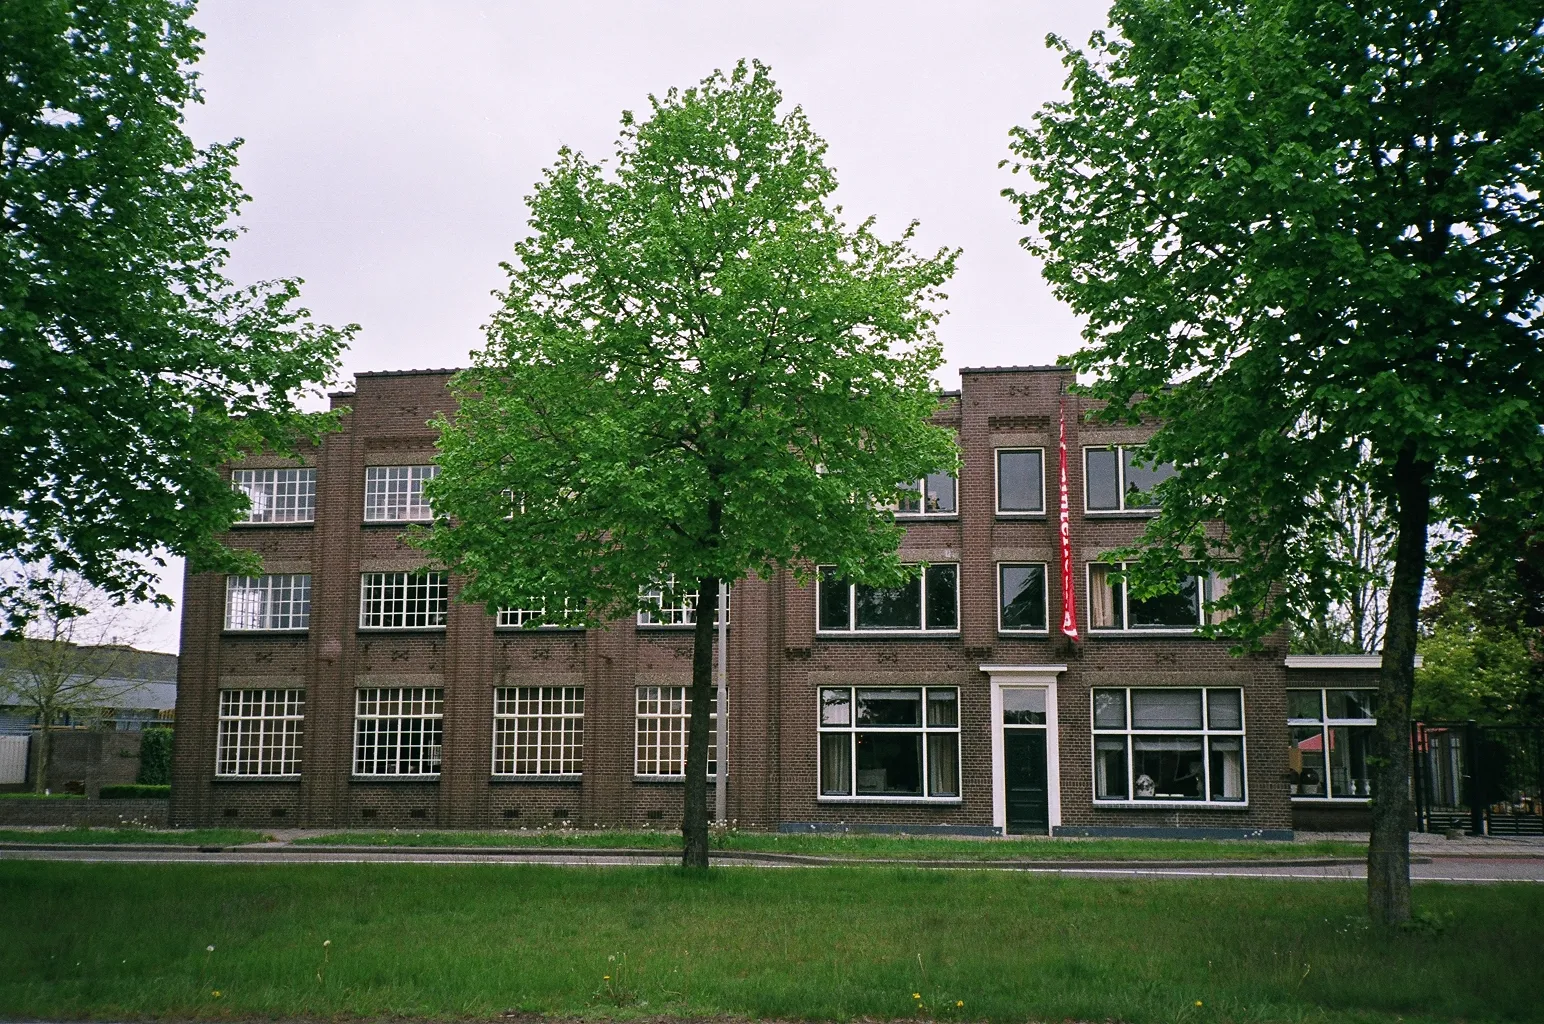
x: 1480, y: 779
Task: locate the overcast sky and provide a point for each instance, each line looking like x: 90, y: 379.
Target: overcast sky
x: 389, y: 145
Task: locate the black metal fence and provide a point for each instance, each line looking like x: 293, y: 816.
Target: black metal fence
x: 1479, y: 779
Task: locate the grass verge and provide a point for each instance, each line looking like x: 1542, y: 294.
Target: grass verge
x: 111, y: 836
x: 185, y: 941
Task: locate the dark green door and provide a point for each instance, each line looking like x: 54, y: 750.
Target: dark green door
x: 1024, y: 770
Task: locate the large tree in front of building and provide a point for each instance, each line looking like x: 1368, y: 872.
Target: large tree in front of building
x: 1306, y: 238
x: 131, y: 367
x: 698, y: 372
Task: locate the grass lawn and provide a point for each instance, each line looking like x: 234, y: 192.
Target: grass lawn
x: 107, y: 836
x: 184, y: 941
x: 42, y: 796
x: 866, y: 846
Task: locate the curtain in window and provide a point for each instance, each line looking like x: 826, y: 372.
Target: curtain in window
x: 1101, y: 598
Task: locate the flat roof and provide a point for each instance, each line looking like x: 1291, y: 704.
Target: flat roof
x: 1016, y: 369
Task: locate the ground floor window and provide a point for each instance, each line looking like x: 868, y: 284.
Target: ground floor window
x: 260, y: 733
x: 1331, y: 743
x: 398, y: 730
x: 1169, y: 744
x: 538, y: 730
x: 890, y: 742
x: 664, y: 714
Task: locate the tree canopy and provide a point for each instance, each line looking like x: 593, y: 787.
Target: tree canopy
x: 131, y: 367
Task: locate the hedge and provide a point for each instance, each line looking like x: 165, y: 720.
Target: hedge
x: 134, y: 791
x: 155, y: 758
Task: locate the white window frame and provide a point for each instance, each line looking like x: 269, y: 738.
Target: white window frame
x: 661, y: 722
x: 924, y: 730
x: 272, y: 721
x: 436, y: 587
x: 528, y: 721
x: 683, y: 612
x: 852, y: 607
x: 1206, y: 733
x: 382, y: 492
x: 1324, y: 724
x: 997, y: 476
x: 1208, y: 589
x: 422, y: 704
x: 1045, y: 586
x: 922, y: 512
x: 1121, y: 508
x: 260, y: 599
x: 276, y: 496
x: 516, y: 618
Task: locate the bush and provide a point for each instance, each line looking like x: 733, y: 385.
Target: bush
x: 134, y: 791
x: 155, y: 758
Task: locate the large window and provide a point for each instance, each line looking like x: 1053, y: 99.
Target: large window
x: 1117, y: 480
x: 670, y: 604
x: 277, y: 495
x: 898, y: 742
x: 398, y: 730
x: 1021, y: 597
x: 403, y: 600
x: 281, y: 602
x: 1112, y: 607
x: 1332, y: 736
x: 664, y: 714
x: 538, y: 730
x: 260, y: 733
x: 1020, y: 481
x: 928, y: 602
x: 933, y: 495
x: 534, y: 613
x: 395, y: 494
x: 1169, y: 744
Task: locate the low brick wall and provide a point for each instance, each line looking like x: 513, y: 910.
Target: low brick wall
x: 83, y: 811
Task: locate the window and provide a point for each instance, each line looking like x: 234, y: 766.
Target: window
x: 277, y: 495
x: 395, y: 494
x: 402, y: 600
x: 898, y: 742
x: 1116, y: 480
x: 933, y: 495
x: 535, y: 611
x: 1331, y: 743
x: 928, y: 602
x: 1111, y: 606
x: 268, y: 602
x: 1021, y: 598
x: 1169, y: 745
x: 538, y: 730
x: 398, y: 730
x: 260, y: 733
x: 664, y: 713
x: 668, y: 606
x: 1020, y: 481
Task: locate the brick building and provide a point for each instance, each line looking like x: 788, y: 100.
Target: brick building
x: 347, y: 687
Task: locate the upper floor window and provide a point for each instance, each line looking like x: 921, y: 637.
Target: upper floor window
x: 1169, y: 744
x: 1111, y: 606
x: 534, y: 612
x: 1020, y: 481
x: 928, y: 602
x: 933, y: 495
x: 1117, y: 480
x: 395, y: 494
x: 1331, y: 743
x: 669, y: 605
x: 403, y: 600
x: 277, y: 495
x: 1021, y: 598
x: 268, y: 602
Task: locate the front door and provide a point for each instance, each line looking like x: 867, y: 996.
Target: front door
x: 1025, y: 779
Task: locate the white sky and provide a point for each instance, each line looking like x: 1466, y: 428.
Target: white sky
x: 389, y: 144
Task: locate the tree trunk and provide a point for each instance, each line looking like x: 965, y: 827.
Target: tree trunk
x: 694, y: 815
x: 1388, y: 848
x: 40, y: 777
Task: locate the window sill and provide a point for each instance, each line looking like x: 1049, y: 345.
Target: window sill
x: 1119, y: 513
x: 283, y: 524
x: 1173, y: 805
x: 395, y: 522
x: 871, y: 634
x: 569, y: 778
x: 1352, y: 801
x: 921, y: 801
x: 1023, y: 632
x: 669, y: 780
x: 674, y: 627
x: 257, y: 778
x: 401, y: 629
x: 1149, y: 631
x: 538, y: 629
x: 395, y: 778
x: 924, y: 517
x: 1022, y: 515
x: 265, y: 632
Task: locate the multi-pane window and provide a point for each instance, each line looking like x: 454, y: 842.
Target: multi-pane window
x: 1116, y: 479
x: 933, y: 495
x: 277, y: 495
x: 1169, y: 744
x: 403, y: 600
x: 1111, y: 605
x: 538, y: 730
x: 664, y: 714
x: 260, y: 732
x: 667, y: 603
x: 1332, y: 736
x: 534, y: 612
x: 396, y: 493
x: 901, y: 742
x: 1020, y: 481
x: 268, y: 602
x: 928, y: 602
x: 1021, y: 597
x: 398, y: 730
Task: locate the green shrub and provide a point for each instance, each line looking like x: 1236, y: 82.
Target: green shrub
x: 155, y: 758
x: 134, y: 791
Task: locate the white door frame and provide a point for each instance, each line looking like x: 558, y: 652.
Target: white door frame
x: 1025, y: 676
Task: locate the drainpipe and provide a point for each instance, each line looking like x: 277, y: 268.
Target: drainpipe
x: 720, y: 784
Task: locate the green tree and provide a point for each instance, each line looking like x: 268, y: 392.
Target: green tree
x: 698, y: 372
x: 130, y: 366
x: 1306, y: 239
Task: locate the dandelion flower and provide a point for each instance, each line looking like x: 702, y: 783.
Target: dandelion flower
x: 215, y: 993
x: 208, y: 949
x: 959, y: 1002
x: 916, y: 995
x: 606, y: 978
x: 326, y: 942
x: 1198, y: 1002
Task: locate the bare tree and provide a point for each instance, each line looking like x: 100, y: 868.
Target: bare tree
x: 1360, y: 538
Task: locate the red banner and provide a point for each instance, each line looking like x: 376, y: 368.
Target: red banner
x: 1069, y: 624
